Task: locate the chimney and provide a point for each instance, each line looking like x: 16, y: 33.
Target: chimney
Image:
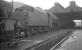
x: 72, y: 3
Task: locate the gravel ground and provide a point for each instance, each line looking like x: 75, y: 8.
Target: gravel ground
x: 29, y: 42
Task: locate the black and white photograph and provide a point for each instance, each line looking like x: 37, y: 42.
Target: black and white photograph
x: 40, y: 24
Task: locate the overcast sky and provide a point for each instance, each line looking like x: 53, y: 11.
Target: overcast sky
x: 46, y: 4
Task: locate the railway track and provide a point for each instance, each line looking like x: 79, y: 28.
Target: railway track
x: 51, y: 43
x: 58, y: 44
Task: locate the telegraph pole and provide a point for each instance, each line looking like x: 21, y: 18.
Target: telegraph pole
x: 12, y: 6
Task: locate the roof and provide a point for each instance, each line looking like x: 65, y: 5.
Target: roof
x: 73, y: 7
x: 57, y: 8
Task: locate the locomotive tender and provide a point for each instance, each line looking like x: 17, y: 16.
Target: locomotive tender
x: 34, y: 20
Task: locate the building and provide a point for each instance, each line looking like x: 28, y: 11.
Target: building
x: 67, y: 15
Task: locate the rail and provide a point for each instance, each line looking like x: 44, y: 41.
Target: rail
x: 49, y: 43
x: 56, y: 46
